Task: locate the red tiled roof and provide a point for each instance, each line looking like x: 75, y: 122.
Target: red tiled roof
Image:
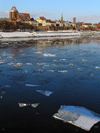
x: 24, y: 15
x: 43, y: 18
x: 48, y: 20
x: 87, y: 24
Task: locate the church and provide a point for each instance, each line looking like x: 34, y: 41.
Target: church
x: 15, y: 15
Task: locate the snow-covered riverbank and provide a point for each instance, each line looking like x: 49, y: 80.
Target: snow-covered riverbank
x: 38, y: 34
x: 45, y: 35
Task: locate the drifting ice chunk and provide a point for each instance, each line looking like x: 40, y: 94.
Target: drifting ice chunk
x: 2, y: 62
x: 38, y: 52
x: 46, y: 93
x: 70, y: 64
x: 18, y: 64
x: 63, y: 71
x: 27, y: 104
x: 50, y: 70
x: 23, y: 104
x: 49, y: 55
x: 31, y: 85
x: 97, y: 67
x: 40, y: 64
x: 63, y: 59
x: 78, y: 116
x: 34, y: 105
x: 28, y: 63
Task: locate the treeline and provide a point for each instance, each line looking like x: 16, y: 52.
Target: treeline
x: 6, y: 25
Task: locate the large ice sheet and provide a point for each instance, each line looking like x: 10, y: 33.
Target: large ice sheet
x: 46, y: 93
x: 78, y: 116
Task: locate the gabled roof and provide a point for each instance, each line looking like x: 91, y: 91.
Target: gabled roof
x: 13, y: 8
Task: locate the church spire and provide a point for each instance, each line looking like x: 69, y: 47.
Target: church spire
x: 62, y: 17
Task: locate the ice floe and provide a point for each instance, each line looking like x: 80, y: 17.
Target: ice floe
x: 63, y: 59
x: 2, y: 62
x: 1, y: 97
x: 78, y: 68
x: 46, y: 93
x: 50, y: 70
x: 63, y: 71
x: 15, y: 64
x: 97, y: 67
x: 71, y: 64
x: 28, y: 63
x: 53, y: 65
x: 40, y: 64
x: 31, y: 85
x: 28, y: 104
x: 49, y: 55
x: 78, y: 116
x: 39, y: 52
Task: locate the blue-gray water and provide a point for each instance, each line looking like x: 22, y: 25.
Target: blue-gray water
x: 71, y: 71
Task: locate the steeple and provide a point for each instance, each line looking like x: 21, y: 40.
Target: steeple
x: 62, y: 17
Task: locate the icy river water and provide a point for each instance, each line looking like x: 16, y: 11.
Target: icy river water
x: 69, y: 69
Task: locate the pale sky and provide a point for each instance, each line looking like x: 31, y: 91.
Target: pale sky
x: 84, y: 11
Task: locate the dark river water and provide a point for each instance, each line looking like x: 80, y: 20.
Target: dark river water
x: 68, y: 68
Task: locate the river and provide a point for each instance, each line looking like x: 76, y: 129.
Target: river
x: 70, y: 69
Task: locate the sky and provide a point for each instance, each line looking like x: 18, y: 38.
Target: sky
x: 83, y: 10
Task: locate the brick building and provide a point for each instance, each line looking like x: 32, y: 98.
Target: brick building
x: 15, y: 15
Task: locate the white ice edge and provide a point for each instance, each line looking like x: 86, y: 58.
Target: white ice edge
x: 28, y: 104
x: 78, y: 116
x: 46, y: 93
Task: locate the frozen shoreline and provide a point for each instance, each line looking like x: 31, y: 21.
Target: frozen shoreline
x: 45, y: 35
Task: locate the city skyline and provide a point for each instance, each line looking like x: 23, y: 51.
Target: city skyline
x: 84, y: 11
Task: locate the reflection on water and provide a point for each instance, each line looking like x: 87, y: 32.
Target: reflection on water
x: 68, y: 68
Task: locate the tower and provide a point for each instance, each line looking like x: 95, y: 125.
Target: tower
x: 62, y: 17
x: 13, y: 14
x: 74, y: 20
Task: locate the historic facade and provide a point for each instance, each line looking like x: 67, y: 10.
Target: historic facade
x: 15, y: 15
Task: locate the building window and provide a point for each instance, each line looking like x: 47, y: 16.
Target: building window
x: 57, y: 25
x: 40, y: 24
